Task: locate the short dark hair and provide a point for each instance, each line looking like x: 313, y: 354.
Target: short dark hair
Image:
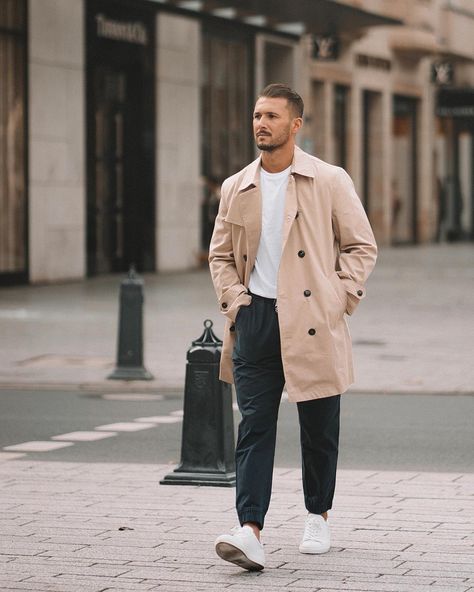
x: 279, y: 90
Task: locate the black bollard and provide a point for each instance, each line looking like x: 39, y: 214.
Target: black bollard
x: 130, y: 340
x: 207, y: 449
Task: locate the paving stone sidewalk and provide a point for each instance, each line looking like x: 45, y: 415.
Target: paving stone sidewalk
x: 93, y: 527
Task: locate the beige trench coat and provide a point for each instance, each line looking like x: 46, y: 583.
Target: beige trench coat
x: 328, y: 248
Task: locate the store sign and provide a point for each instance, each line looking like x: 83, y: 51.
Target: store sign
x: 130, y: 32
x: 368, y: 61
x: 442, y: 73
x: 455, y: 102
x: 325, y: 47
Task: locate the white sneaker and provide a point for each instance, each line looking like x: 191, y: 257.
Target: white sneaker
x: 316, y: 537
x: 242, y: 548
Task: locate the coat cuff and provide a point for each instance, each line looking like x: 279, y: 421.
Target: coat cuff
x: 355, y: 293
x: 232, y: 299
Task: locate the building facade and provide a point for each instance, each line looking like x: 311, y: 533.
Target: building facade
x: 119, y: 119
x: 395, y: 106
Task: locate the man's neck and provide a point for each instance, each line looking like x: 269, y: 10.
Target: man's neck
x: 277, y: 160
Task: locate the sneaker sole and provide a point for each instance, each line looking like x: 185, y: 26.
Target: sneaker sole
x: 234, y: 555
x: 313, y: 551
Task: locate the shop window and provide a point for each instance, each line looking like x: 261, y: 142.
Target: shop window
x: 227, y: 103
x: 13, y: 202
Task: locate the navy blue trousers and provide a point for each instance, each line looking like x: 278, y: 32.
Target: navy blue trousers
x: 259, y: 382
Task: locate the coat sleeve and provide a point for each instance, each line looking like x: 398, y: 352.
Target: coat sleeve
x: 231, y: 293
x: 356, y: 242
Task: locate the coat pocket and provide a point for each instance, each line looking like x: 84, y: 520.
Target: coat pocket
x: 339, y: 290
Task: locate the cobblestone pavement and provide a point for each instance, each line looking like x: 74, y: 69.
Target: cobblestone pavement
x: 92, y: 527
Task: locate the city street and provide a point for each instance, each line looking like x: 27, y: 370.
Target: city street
x: 81, y: 457
x: 386, y: 432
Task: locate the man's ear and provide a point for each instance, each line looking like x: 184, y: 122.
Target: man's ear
x: 296, y: 124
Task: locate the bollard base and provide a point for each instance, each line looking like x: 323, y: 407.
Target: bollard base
x: 130, y: 373
x: 209, y: 479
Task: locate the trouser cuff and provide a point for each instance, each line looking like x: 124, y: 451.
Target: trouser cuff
x: 316, y: 507
x: 252, y: 515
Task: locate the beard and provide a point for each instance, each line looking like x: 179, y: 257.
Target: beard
x: 277, y: 142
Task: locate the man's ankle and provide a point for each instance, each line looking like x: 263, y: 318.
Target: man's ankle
x: 254, y: 527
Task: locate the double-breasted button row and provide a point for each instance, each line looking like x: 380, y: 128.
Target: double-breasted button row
x: 312, y: 331
x: 301, y: 253
x: 307, y: 293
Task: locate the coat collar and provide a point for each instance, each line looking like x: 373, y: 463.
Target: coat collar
x: 302, y: 165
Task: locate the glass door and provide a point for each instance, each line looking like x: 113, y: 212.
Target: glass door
x: 108, y: 213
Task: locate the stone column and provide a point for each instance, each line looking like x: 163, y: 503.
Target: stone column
x: 178, y: 153
x: 427, y: 199
x: 56, y: 94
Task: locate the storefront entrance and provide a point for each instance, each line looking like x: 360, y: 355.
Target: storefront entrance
x: 120, y: 143
x: 454, y: 165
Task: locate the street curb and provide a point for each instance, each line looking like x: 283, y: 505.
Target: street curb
x: 150, y: 387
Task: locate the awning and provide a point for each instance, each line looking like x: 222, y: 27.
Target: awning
x: 316, y: 16
x: 413, y: 42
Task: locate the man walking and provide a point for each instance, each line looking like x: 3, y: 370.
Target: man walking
x: 290, y: 254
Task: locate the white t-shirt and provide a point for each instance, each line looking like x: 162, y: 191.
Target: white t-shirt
x: 264, y: 276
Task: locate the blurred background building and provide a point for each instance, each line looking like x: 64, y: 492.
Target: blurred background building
x: 119, y: 119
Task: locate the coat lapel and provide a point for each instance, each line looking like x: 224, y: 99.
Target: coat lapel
x: 291, y: 207
x: 251, y: 212
x: 250, y: 205
x: 301, y: 165
x: 250, y: 200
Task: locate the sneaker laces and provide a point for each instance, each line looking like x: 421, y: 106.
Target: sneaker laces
x: 313, y: 529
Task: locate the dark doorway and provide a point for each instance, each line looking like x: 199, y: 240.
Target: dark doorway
x: 405, y: 175
x: 121, y: 138
x: 341, y: 100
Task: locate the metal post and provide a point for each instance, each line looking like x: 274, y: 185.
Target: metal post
x: 130, y: 340
x: 207, y: 450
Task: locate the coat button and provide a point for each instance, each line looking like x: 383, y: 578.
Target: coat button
x: 301, y: 253
x: 312, y: 332
x: 359, y: 292
x: 245, y: 257
x: 307, y: 293
x: 232, y: 328
x: 224, y: 305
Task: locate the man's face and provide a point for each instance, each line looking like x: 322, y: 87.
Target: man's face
x: 274, y: 124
